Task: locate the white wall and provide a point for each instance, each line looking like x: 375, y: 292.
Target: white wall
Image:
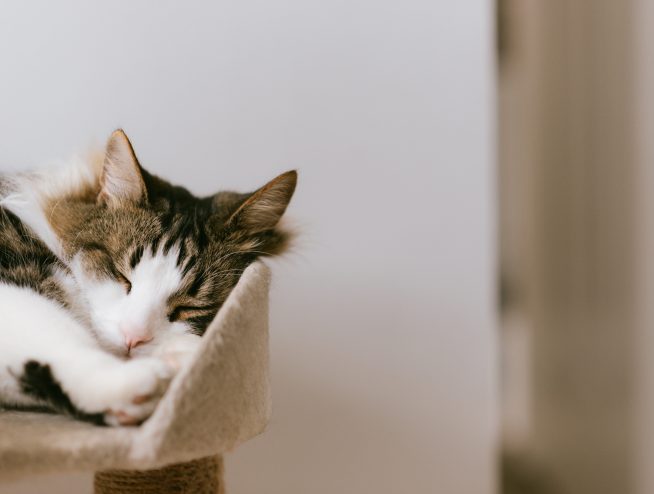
x: 383, y: 323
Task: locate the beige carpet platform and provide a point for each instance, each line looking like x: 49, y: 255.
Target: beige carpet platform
x: 220, y: 400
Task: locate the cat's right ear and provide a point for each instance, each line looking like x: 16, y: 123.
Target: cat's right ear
x: 122, y: 178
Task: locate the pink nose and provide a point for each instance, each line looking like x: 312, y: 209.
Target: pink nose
x: 135, y: 338
x: 133, y: 342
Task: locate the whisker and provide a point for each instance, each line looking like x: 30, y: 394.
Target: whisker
x: 242, y: 252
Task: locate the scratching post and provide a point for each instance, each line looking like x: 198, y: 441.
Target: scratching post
x: 218, y: 401
x: 203, y: 476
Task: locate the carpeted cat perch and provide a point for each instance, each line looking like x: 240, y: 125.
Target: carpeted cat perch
x: 214, y: 404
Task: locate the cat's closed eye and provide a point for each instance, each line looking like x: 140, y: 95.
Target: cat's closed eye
x: 186, y: 312
x: 100, y: 260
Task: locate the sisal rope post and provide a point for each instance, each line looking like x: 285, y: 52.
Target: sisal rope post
x: 203, y: 476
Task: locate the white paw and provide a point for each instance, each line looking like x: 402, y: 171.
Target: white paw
x: 134, y: 390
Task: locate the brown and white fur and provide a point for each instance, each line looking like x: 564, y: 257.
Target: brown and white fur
x: 110, y: 275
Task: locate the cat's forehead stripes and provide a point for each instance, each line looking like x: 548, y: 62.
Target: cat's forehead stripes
x: 183, y: 246
x: 136, y: 256
x: 186, y: 235
x: 156, y: 276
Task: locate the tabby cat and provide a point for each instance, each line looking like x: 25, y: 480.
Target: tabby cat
x: 110, y: 275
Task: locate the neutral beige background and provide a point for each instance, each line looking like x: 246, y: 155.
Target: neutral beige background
x: 383, y: 323
x: 643, y: 39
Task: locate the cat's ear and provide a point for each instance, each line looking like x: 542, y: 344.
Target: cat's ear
x: 263, y: 209
x: 122, y: 177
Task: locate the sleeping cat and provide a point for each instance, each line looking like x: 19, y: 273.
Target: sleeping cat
x: 109, y: 276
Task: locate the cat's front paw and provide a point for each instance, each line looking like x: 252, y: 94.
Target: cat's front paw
x: 138, y: 387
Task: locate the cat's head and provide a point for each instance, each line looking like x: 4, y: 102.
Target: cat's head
x: 151, y: 260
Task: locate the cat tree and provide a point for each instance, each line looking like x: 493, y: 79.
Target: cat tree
x: 214, y: 404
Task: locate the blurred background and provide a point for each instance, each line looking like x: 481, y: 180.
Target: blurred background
x: 468, y: 309
x: 576, y: 168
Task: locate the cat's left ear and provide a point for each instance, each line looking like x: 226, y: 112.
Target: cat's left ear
x: 263, y: 209
x: 122, y: 177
